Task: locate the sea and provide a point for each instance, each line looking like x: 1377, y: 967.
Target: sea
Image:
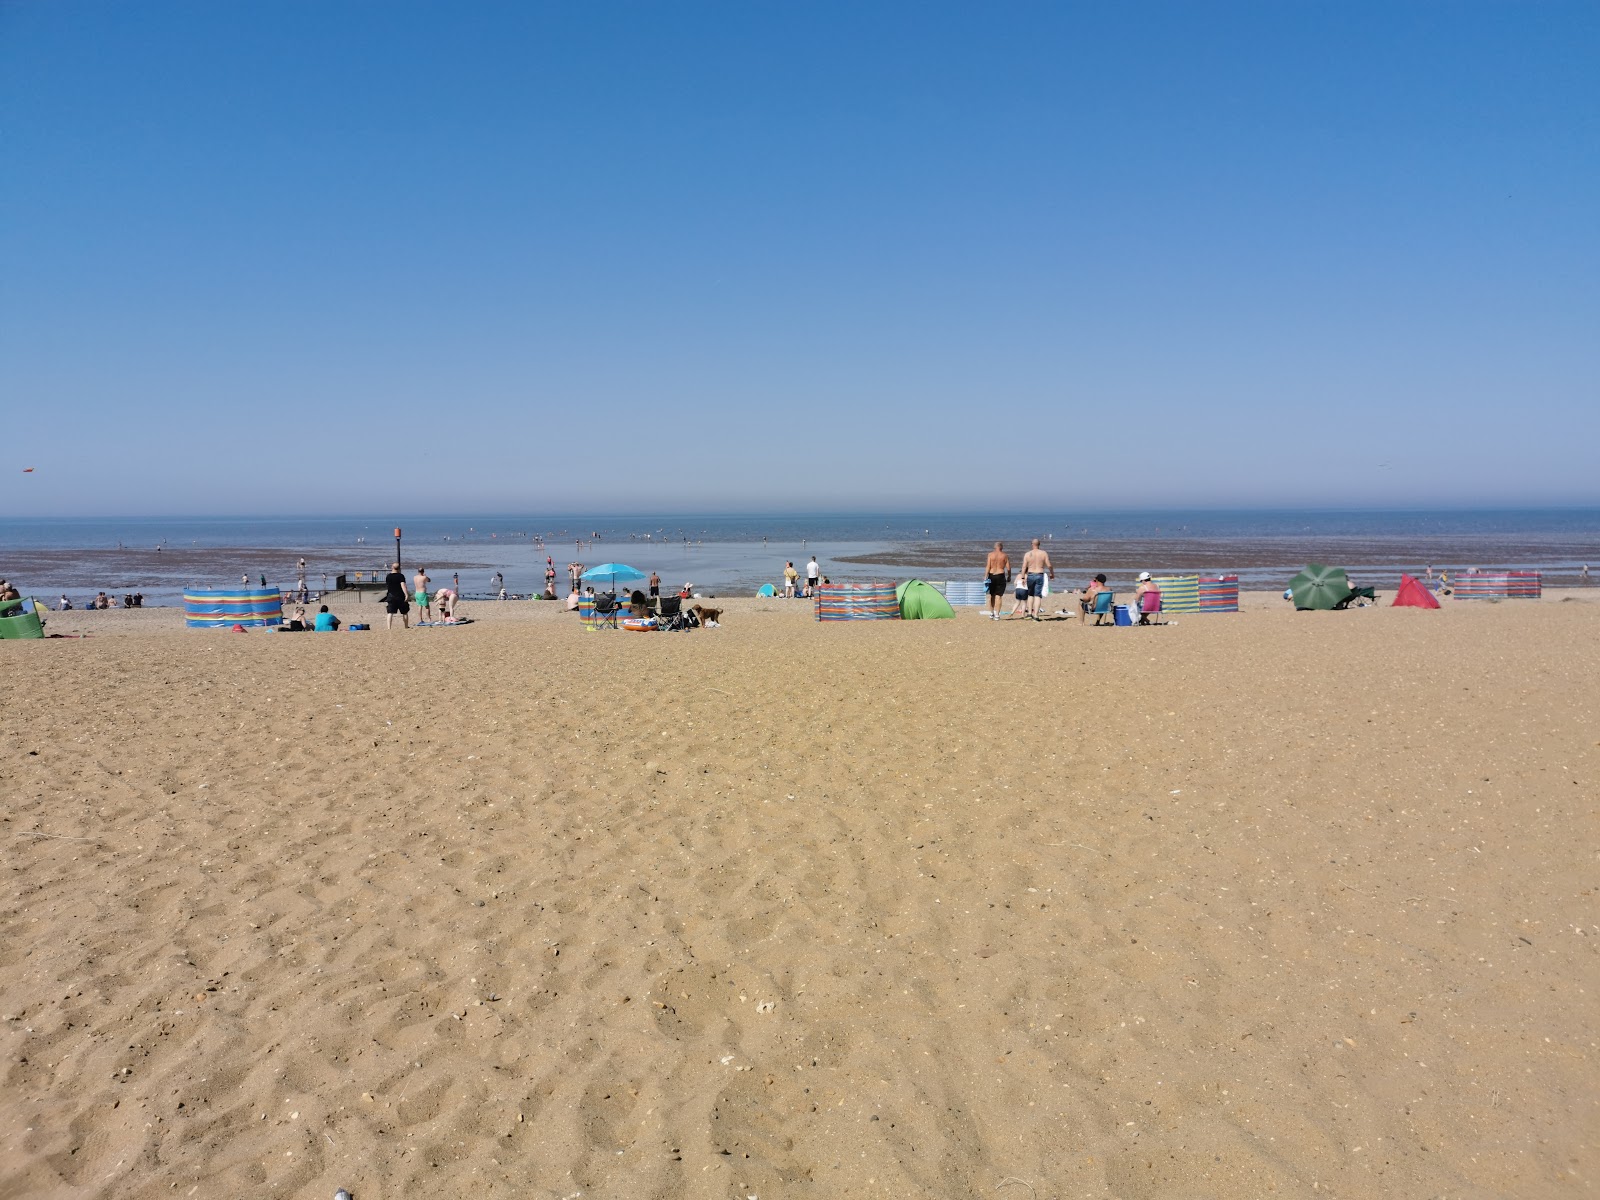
x: 724, y: 555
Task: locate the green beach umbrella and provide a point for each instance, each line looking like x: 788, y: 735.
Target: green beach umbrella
x: 1319, y: 587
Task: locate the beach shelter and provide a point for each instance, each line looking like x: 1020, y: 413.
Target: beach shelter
x: 921, y: 601
x: 21, y: 619
x: 1413, y: 595
x: 1218, y: 594
x: 611, y: 572
x: 766, y: 589
x: 1179, y: 593
x: 1498, y: 585
x: 223, y: 608
x: 1319, y: 587
x: 966, y: 592
x: 857, y: 602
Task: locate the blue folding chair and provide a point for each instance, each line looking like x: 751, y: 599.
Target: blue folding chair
x: 1102, y: 606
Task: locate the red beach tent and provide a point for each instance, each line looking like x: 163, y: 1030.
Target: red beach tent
x: 1413, y: 595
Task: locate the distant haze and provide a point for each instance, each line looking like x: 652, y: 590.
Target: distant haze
x: 298, y: 258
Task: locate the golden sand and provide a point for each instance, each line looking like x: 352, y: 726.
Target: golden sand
x: 1267, y: 904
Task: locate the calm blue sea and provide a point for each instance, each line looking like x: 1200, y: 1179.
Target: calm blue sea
x: 735, y: 554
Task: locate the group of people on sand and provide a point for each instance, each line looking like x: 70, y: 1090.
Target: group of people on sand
x: 323, y: 622
x: 101, y: 600
x: 791, y: 579
x: 398, y: 598
x: 1030, y: 585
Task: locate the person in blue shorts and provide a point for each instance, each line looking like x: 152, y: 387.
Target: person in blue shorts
x: 1036, y: 568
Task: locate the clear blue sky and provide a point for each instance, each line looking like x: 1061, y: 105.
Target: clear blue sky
x: 453, y: 257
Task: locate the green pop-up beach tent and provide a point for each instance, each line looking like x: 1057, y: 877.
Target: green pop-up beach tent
x: 921, y: 601
x: 1319, y: 587
x: 21, y: 619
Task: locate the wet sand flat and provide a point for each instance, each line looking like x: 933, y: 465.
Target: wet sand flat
x: 1257, y: 904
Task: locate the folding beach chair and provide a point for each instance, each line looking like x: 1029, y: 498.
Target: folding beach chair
x: 606, y: 609
x: 668, y: 607
x: 1102, y: 606
x: 1150, y: 608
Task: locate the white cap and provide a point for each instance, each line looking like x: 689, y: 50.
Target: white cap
x: 1143, y: 575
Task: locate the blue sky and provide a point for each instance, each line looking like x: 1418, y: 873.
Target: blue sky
x: 293, y: 256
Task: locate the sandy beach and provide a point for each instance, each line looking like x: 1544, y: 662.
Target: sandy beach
x: 1273, y: 903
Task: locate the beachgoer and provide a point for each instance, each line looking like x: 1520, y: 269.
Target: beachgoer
x: 445, y: 601
x: 687, y: 593
x: 655, y: 586
x: 326, y: 622
x: 7, y: 592
x: 1145, y: 584
x: 298, y: 621
x: 572, y: 601
x: 790, y: 577
x: 65, y: 605
x: 394, y: 598
x: 1583, y: 573
x: 813, y: 573
x: 1036, y: 566
x: 423, y: 599
x: 997, y: 572
x: 498, y: 585
x: 1086, y: 605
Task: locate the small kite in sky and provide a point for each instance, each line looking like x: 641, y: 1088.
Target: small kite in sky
x: 27, y: 470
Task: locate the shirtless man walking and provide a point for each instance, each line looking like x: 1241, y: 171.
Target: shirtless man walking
x: 1036, y: 566
x: 997, y: 569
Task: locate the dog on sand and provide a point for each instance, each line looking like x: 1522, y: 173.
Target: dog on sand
x: 711, y: 617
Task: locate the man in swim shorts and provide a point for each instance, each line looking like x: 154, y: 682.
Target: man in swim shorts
x: 1036, y: 566
x: 996, y: 571
x: 423, y: 600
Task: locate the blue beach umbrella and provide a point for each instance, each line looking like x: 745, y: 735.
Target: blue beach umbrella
x: 613, y: 572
